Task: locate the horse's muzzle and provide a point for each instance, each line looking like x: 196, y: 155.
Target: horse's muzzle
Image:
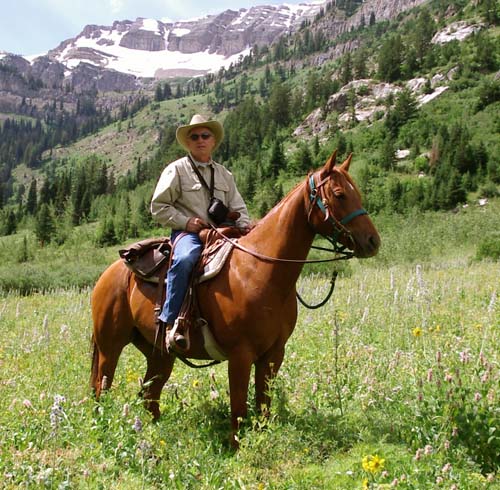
x: 367, y: 246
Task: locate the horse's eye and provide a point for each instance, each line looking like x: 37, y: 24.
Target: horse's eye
x: 338, y: 192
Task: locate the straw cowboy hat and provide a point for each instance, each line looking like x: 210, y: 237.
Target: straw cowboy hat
x: 197, y: 121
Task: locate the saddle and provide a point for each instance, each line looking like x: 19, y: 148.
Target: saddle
x: 145, y: 258
x: 150, y: 259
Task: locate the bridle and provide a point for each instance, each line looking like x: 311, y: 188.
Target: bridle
x: 316, y: 198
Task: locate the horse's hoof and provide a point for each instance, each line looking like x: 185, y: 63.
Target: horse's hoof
x: 234, y: 442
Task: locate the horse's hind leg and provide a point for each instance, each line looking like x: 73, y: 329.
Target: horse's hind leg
x: 104, y: 364
x: 159, y: 368
x: 111, y: 334
x: 113, y: 324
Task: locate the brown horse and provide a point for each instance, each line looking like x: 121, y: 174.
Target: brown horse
x: 250, y: 306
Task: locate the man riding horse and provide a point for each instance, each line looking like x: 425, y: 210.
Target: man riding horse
x: 192, y: 192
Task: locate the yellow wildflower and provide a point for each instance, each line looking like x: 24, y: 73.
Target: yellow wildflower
x: 342, y: 315
x: 195, y: 383
x: 373, y: 464
x: 365, y: 484
x: 417, y: 332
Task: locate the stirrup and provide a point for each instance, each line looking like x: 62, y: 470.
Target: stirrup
x: 171, y: 342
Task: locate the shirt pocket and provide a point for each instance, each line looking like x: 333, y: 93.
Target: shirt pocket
x: 190, y: 185
x: 221, y: 190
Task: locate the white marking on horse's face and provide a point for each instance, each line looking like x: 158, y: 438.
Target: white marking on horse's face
x: 350, y: 185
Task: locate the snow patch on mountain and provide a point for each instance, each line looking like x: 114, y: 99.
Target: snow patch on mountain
x: 142, y: 63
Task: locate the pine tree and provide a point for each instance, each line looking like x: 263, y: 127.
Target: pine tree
x: 46, y: 191
x: 23, y: 253
x: 390, y: 59
x: 359, y: 63
x: 31, y: 201
x: 422, y: 34
x: 346, y: 69
x: 279, y: 104
x: 122, y: 219
x: 44, y: 224
x: 278, y: 160
x: 388, y: 153
x: 143, y: 217
x: 490, y: 11
x: 316, y: 147
x: 167, y: 91
x: 302, y: 160
x: 10, y: 223
x: 158, y: 93
x: 105, y: 235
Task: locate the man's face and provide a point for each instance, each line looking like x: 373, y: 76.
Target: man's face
x: 201, y: 143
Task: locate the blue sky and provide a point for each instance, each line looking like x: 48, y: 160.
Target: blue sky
x: 34, y: 26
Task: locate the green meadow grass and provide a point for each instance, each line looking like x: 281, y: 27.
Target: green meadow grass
x: 395, y: 383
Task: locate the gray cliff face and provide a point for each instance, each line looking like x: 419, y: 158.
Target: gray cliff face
x: 48, y: 76
x: 86, y: 77
x: 143, y: 40
x: 206, y: 34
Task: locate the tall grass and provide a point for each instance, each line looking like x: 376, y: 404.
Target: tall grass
x: 394, y: 382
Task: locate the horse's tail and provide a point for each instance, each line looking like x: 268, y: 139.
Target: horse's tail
x: 95, y: 364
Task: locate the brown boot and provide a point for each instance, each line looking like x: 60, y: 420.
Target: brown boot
x: 176, y: 337
x: 180, y: 341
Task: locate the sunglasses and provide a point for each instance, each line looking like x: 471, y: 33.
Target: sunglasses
x: 203, y: 136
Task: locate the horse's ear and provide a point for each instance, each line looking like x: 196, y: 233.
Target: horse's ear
x: 347, y: 163
x: 330, y: 163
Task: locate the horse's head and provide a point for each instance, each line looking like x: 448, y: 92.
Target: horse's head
x: 335, y: 209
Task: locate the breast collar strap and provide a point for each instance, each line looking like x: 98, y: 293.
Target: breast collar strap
x: 316, y: 198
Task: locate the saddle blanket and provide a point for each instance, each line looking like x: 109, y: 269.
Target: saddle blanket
x: 216, y: 262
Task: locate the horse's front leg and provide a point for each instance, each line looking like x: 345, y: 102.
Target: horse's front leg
x: 239, y: 367
x: 266, y: 369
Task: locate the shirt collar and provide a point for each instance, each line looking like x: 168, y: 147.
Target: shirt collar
x: 202, y: 164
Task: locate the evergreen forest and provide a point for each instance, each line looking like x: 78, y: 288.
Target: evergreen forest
x: 58, y: 189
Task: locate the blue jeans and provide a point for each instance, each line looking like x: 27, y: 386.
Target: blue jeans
x: 187, y: 251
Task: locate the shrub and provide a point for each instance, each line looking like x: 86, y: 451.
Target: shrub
x: 489, y: 190
x: 489, y: 248
x: 488, y: 92
x: 421, y: 164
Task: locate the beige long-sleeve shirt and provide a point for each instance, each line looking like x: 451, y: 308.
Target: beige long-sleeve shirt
x: 179, y: 194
